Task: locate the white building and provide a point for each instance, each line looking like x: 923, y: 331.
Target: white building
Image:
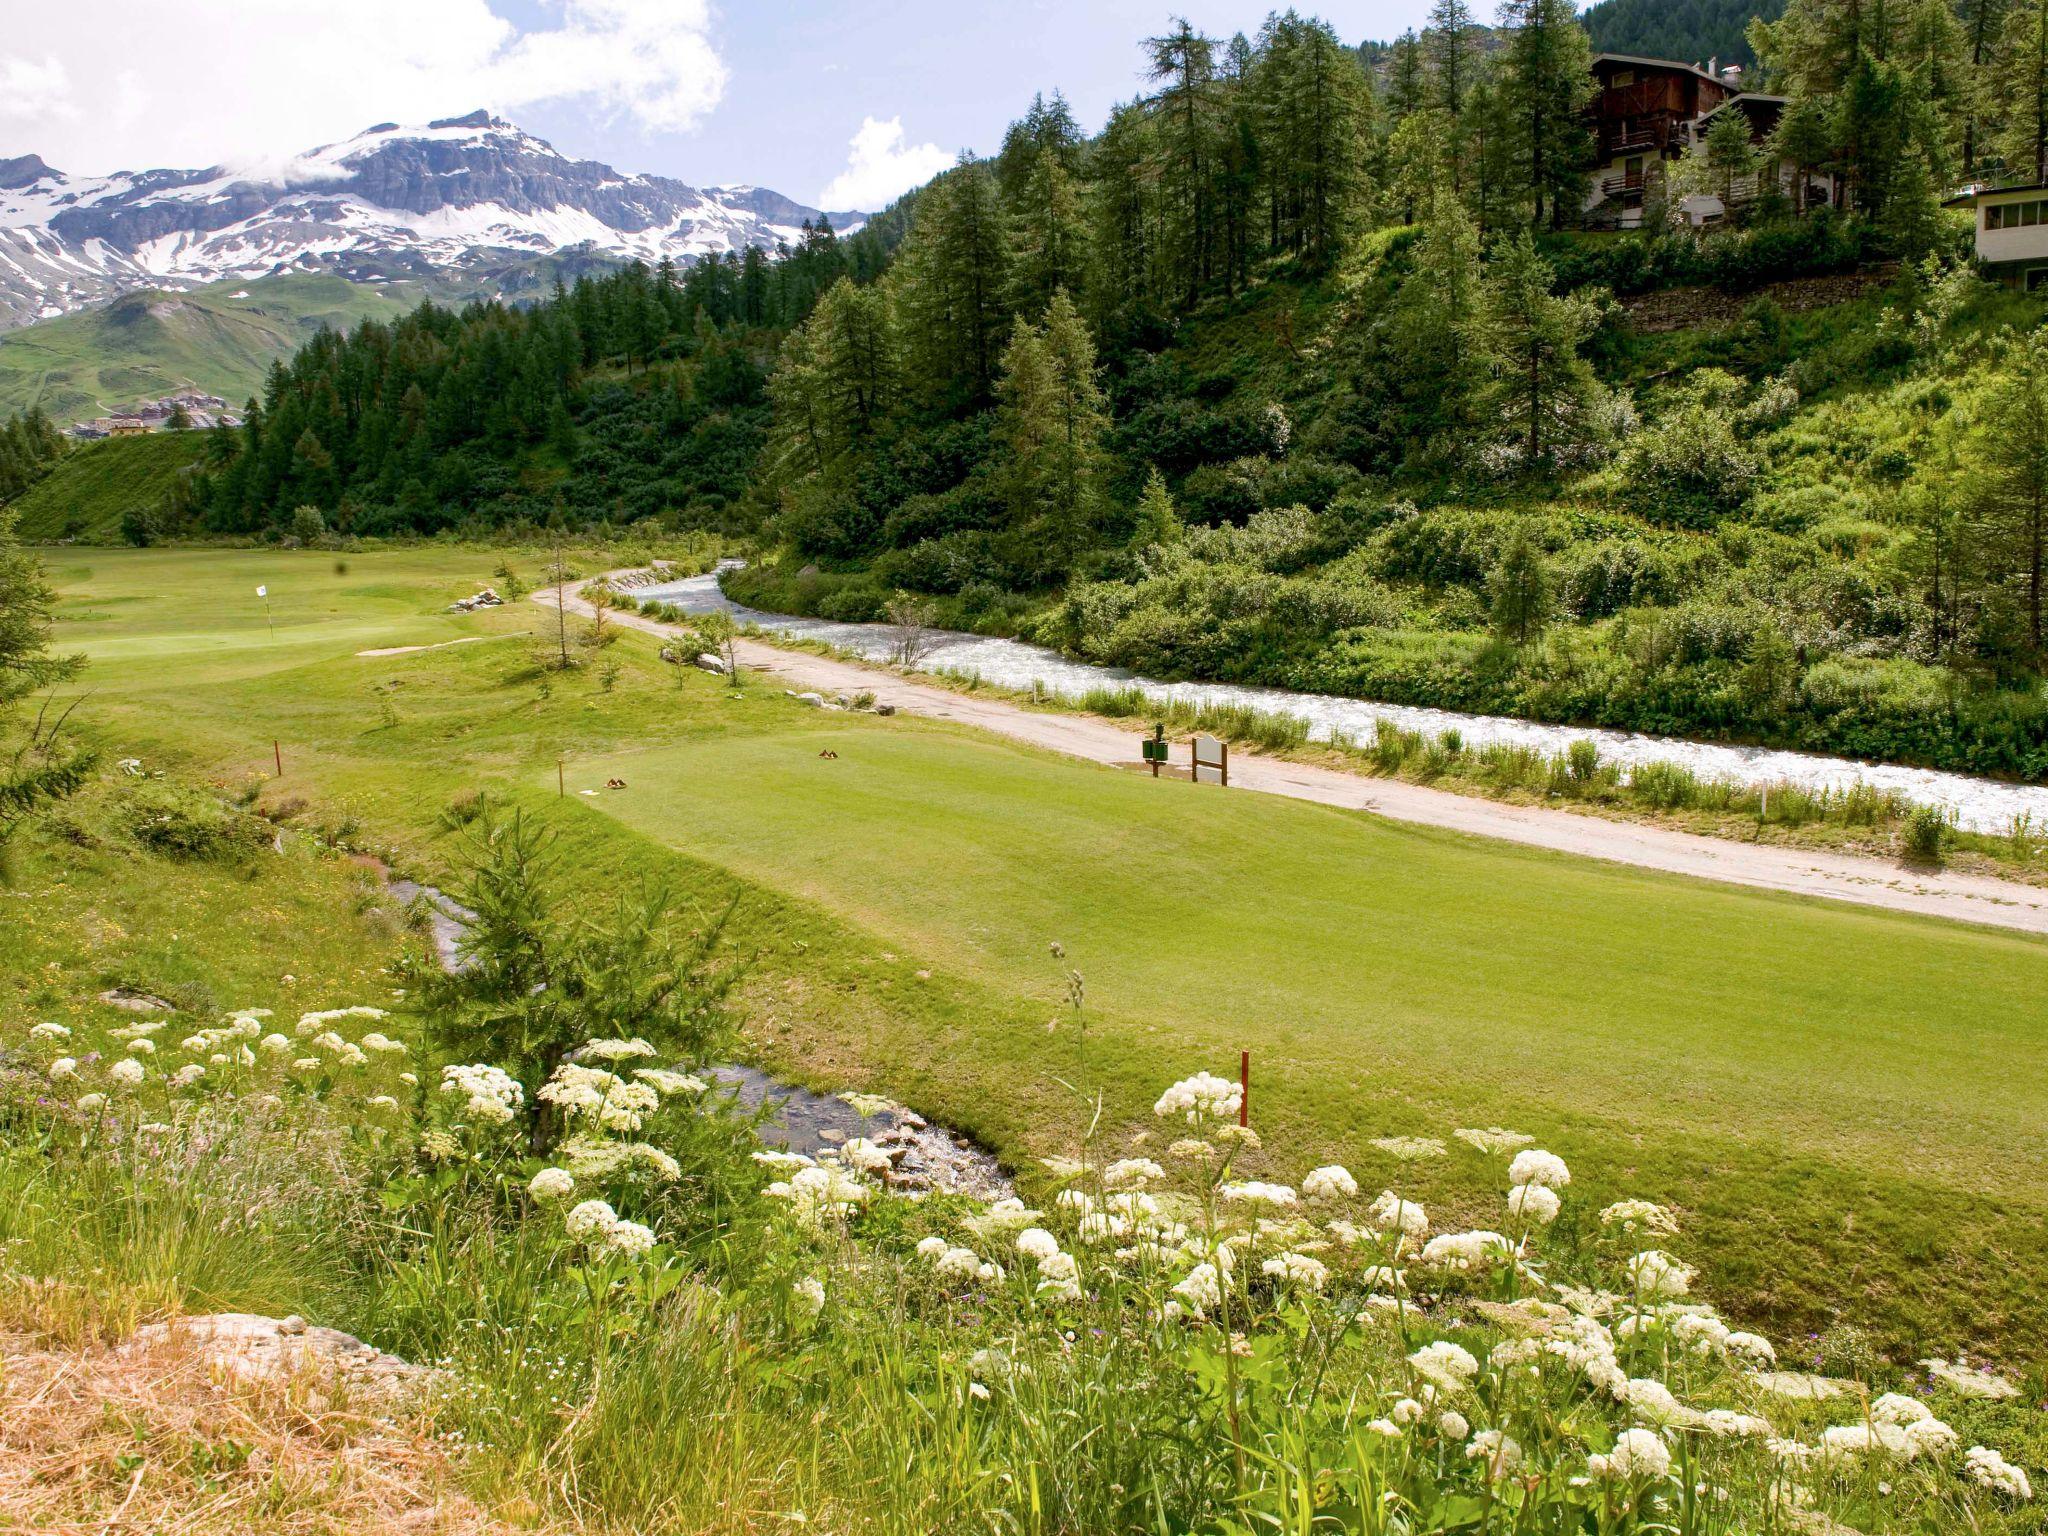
x: 2012, y: 231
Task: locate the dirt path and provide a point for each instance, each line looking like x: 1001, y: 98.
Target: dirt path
x: 1833, y: 876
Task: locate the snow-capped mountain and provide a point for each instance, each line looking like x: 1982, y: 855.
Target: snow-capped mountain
x: 462, y: 197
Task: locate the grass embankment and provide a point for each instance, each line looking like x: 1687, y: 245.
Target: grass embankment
x: 1839, y: 1099
x: 96, y: 484
x: 221, y: 338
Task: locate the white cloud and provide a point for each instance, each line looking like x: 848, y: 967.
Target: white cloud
x: 232, y: 81
x: 33, y: 88
x: 880, y: 167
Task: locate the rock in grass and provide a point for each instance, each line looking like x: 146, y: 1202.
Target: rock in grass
x: 273, y: 1350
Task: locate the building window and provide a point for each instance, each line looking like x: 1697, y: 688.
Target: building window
x: 2016, y: 215
x: 1622, y: 78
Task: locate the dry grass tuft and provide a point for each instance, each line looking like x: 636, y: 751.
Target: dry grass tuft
x: 160, y: 1440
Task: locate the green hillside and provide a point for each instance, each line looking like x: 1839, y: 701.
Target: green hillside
x: 85, y: 496
x: 221, y: 339
x: 1691, y: 31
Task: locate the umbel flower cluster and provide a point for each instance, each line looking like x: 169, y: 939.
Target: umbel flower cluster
x: 1467, y: 1358
x: 1550, y: 1370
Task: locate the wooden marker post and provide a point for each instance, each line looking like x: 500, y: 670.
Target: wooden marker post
x: 277, y: 756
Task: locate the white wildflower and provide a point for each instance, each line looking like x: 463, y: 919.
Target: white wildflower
x: 49, y: 1031
x: 1534, y: 1202
x: 63, y: 1067
x: 1390, y: 1210
x: 1533, y: 1167
x: 1409, y: 1149
x: 668, y: 1084
x: 629, y: 1237
x: 1493, y: 1140
x: 593, y: 1218
x: 1968, y: 1380
x: 809, y: 1294
x: 614, y: 1050
x: 1897, y: 1408
x: 1445, y: 1364
x: 1130, y: 1171
x: 125, y: 1073
x: 1991, y: 1470
x: 1202, y: 1289
x: 1251, y: 1191
x: 1637, y: 1453
x: 1463, y: 1251
x: 1037, y: 1243
x: 1639, y: 1216
x: 552, y: 1184
x: 1655, y: 1273
x: 1331, y: 1182
x: 1201, y: 1096
x: 1452, y: 1425
x: 1499, y: 1451
x: 1298, y: 1269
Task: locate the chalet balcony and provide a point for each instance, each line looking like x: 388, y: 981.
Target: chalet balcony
x: 1625, y: 186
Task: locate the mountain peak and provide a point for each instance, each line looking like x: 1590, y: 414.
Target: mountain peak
x: 23, y: 170
x: 457, y: 198
x: 480, y: 118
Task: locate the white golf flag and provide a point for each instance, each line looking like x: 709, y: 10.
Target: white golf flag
x: 263, y: 591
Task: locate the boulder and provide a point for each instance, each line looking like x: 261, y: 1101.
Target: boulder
x: 704, y: 661
x: 259, y: 1350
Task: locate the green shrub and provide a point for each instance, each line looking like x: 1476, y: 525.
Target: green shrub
x: 1924, y: 834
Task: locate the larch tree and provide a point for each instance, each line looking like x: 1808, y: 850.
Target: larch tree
x: 2021, y: 88
x: 1548, y: 80
x: 1520, y: 590
x: 37, y: 763
x: 1443, y: 330
x: 1182, y: 63
x: 1053, y: 415
x: 1544, y: 391
x: 2009, y: 478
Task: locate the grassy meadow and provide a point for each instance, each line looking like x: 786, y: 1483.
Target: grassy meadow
x: 1839, y: 1100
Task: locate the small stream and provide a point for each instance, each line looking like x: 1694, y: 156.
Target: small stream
x: 1978, y: 805
x: 927, y: 1157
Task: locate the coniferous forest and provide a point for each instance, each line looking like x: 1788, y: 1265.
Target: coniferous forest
x: 1300, y: 369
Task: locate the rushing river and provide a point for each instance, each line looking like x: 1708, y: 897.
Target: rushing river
x: 1979, y: 805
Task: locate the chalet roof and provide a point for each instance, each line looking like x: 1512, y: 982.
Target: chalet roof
x: 1970, y: 196
x: 1679, y: 65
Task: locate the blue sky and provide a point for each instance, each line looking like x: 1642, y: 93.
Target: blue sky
x: 806, y: 74
x: 806, y: 96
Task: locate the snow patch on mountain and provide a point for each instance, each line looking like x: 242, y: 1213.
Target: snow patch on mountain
x: 458, y: 195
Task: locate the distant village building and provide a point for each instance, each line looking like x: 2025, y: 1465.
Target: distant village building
x: 2012, y: 231
x: 127, y: 426
x: 1646, y: 113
